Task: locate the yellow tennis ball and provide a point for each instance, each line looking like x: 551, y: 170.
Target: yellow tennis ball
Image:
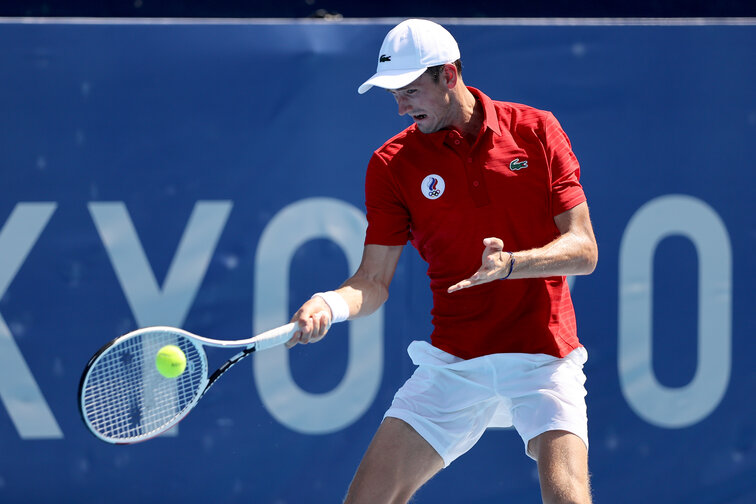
x: 170, y: 361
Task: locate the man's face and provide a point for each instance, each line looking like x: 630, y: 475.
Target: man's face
x: 426, y: 102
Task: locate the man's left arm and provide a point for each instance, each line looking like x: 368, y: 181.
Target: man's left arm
x: 574, y: 252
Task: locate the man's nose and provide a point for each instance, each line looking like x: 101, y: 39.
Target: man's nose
x: 403, y: 105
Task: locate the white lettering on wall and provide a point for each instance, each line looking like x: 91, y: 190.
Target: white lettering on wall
x: 151, y: 304
x: 693, y: 219
x: 19, y: 391
x: 297, y: 409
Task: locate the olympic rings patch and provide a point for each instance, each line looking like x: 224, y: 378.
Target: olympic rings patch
x: 433, y: 186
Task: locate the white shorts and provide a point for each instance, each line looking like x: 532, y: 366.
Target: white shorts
x: 450, y: 402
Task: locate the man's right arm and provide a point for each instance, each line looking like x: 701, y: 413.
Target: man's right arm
x: 363, y: 294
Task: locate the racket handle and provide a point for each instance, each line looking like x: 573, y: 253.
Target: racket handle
x: 278, y: 336
x: 275, y: 337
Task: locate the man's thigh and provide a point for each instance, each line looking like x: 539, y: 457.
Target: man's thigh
x: 397, y: 463
x: 562, y: 467
x: 551, y: 397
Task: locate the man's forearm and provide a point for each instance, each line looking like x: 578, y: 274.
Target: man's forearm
x: 363, y: 296
x: 570, y: 254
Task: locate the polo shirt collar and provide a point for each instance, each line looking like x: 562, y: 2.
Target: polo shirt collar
x: 490, y: 119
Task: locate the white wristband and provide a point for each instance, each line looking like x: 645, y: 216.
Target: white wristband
x: 337, y: 304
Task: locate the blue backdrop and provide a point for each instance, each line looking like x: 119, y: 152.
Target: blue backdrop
x: 210, y: 176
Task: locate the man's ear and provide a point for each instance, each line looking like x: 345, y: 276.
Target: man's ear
x: 450, y: 75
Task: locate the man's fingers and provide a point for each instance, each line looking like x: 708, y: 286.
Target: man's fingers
x: 469, y: 282
x: 482, y: 276
x: 307, y: 331
x: 322, y: 322
x: 293, y: 341
x: 492, y: 256
x: 311, y: 329
x: 458, y: 286
x: 494, y: 243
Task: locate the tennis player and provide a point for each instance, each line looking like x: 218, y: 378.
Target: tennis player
x: 471, y: 177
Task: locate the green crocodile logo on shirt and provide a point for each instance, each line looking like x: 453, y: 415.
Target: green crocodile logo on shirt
x: 516, y: 164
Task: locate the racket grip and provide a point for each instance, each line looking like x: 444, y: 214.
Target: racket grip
x: 275, y: 337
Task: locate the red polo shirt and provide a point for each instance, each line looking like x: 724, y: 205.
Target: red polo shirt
x: 446, y: 196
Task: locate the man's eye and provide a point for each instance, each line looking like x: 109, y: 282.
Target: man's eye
x: 411, y: 91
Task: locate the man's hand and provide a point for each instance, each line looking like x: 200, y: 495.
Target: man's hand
x: 495, y: 264
x: 314, y: 320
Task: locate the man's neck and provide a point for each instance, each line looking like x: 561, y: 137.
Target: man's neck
x: 471, y: 114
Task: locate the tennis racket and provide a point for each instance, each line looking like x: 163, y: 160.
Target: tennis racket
x: 124, y: 399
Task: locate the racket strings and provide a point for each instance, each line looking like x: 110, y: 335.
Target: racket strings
x: 125, y: 398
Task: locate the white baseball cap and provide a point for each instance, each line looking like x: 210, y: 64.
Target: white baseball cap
x: 408, y: 50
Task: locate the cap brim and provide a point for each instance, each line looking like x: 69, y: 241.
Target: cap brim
x: 393, y: 79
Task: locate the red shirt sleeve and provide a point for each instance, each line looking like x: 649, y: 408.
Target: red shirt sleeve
x: 566, y: 190
x: 387, y: 216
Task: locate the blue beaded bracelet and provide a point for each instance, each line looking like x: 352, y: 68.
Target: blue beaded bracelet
x: 511, y: 265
